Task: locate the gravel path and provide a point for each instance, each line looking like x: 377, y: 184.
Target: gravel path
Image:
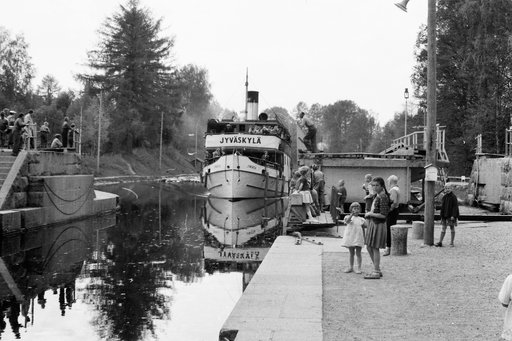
x: 431, y: 294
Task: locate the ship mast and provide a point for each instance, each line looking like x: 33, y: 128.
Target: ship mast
x: 246, y: 90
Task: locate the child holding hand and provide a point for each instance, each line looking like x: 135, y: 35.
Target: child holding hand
x: 353, y: 237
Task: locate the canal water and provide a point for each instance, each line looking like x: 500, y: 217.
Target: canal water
x: 166, y: 267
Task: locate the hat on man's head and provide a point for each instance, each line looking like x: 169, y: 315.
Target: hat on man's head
x: 31, y: 111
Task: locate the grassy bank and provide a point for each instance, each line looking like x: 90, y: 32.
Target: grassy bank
x: 141, y: 161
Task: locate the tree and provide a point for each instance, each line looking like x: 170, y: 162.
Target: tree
x: 134, y: 71
x: 195, y: 97
x: 473, y: 75
x: 48, y: 89
x: 16, y: 69
x: 300, y: 107
x: 346, y: 127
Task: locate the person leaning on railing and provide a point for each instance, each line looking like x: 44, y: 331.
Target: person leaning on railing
x: 44, y: 135
x: 4, y: 130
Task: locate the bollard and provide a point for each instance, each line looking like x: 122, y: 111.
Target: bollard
x: 417, y: 229
x: 399, y: 240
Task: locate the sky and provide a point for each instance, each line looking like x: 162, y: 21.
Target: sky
x: 314, y: 51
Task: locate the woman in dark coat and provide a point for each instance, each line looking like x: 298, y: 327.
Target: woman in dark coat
x: 65, y: 132
x: 16, y: 135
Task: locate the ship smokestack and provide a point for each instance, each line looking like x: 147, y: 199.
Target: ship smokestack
x: 252, y: 105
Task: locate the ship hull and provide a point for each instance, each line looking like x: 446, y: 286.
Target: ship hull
x: 237, y: 177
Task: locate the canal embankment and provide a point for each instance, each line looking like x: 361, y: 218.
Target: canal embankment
x: 300, y: 292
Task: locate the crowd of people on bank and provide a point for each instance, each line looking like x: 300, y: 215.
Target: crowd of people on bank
x: 373, y: 228
x: 19, y: 131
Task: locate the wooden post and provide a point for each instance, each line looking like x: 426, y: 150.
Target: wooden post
x: 417, y: 229
x: 399, y: 240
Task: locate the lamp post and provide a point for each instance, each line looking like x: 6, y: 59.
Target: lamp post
x: 430, y: 131
x: 406, y: 96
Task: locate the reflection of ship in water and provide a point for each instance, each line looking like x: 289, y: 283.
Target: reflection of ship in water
x: 234, y: 223
x: 46, y: 259
x: 239, y: 233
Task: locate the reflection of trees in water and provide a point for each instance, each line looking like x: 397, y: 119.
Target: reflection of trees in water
x: 143, y: 253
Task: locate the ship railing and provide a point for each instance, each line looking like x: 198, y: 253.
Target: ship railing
x: 257, y: 160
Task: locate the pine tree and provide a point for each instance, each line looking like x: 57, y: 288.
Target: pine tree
x: 135, y: 72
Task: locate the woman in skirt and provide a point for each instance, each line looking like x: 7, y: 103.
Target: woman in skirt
x: 376, y: 234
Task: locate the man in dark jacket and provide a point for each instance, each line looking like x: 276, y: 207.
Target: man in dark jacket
x: 449, y: 214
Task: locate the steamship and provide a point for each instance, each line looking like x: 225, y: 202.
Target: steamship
x: 248, y: 156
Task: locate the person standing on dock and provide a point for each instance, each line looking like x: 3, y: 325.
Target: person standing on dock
x: 65, y: 132
x: 449, y: 214
x: 303, y: 189
x: 29, y: 129
x: 45, y: 134
x: 394, y: 199
x: 16, y: 135
x: 4, y: 130
x: 310, y: 138
x: 353, y: 237
x: 369, y: 192
x: 505, y: 297
x: 319, y: 185
x: 375, y: 238
x: 342, y: 196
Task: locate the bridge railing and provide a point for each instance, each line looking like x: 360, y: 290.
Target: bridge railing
x: 416, y: 140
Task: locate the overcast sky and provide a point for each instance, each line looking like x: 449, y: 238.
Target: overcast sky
x: 316, y: 51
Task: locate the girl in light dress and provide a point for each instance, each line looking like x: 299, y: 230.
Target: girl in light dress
x: 353, y: 237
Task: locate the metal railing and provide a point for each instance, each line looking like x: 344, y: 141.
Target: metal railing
x: 416, y: 141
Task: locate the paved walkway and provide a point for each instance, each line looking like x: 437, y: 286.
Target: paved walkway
x: 301, y: 293
x: 431, y: 294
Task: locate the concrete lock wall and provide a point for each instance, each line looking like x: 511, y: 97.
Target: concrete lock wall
x: 63, y: 197
x: 53, y: 163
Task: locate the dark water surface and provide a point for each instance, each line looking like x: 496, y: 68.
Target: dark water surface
x: 164, y: 268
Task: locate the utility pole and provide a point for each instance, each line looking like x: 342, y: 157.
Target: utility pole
x: 99, y: 133
x: 161, y: 135
x: 431, y: 134
x: 80, y: 130
x: 430, y: 140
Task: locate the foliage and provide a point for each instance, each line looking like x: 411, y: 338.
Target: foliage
x: 16, y: 71
x: 346, y: 127
x: 473, y: 75
x: 48, y: 89
x: 134, y: 70
x: 300, y: 107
